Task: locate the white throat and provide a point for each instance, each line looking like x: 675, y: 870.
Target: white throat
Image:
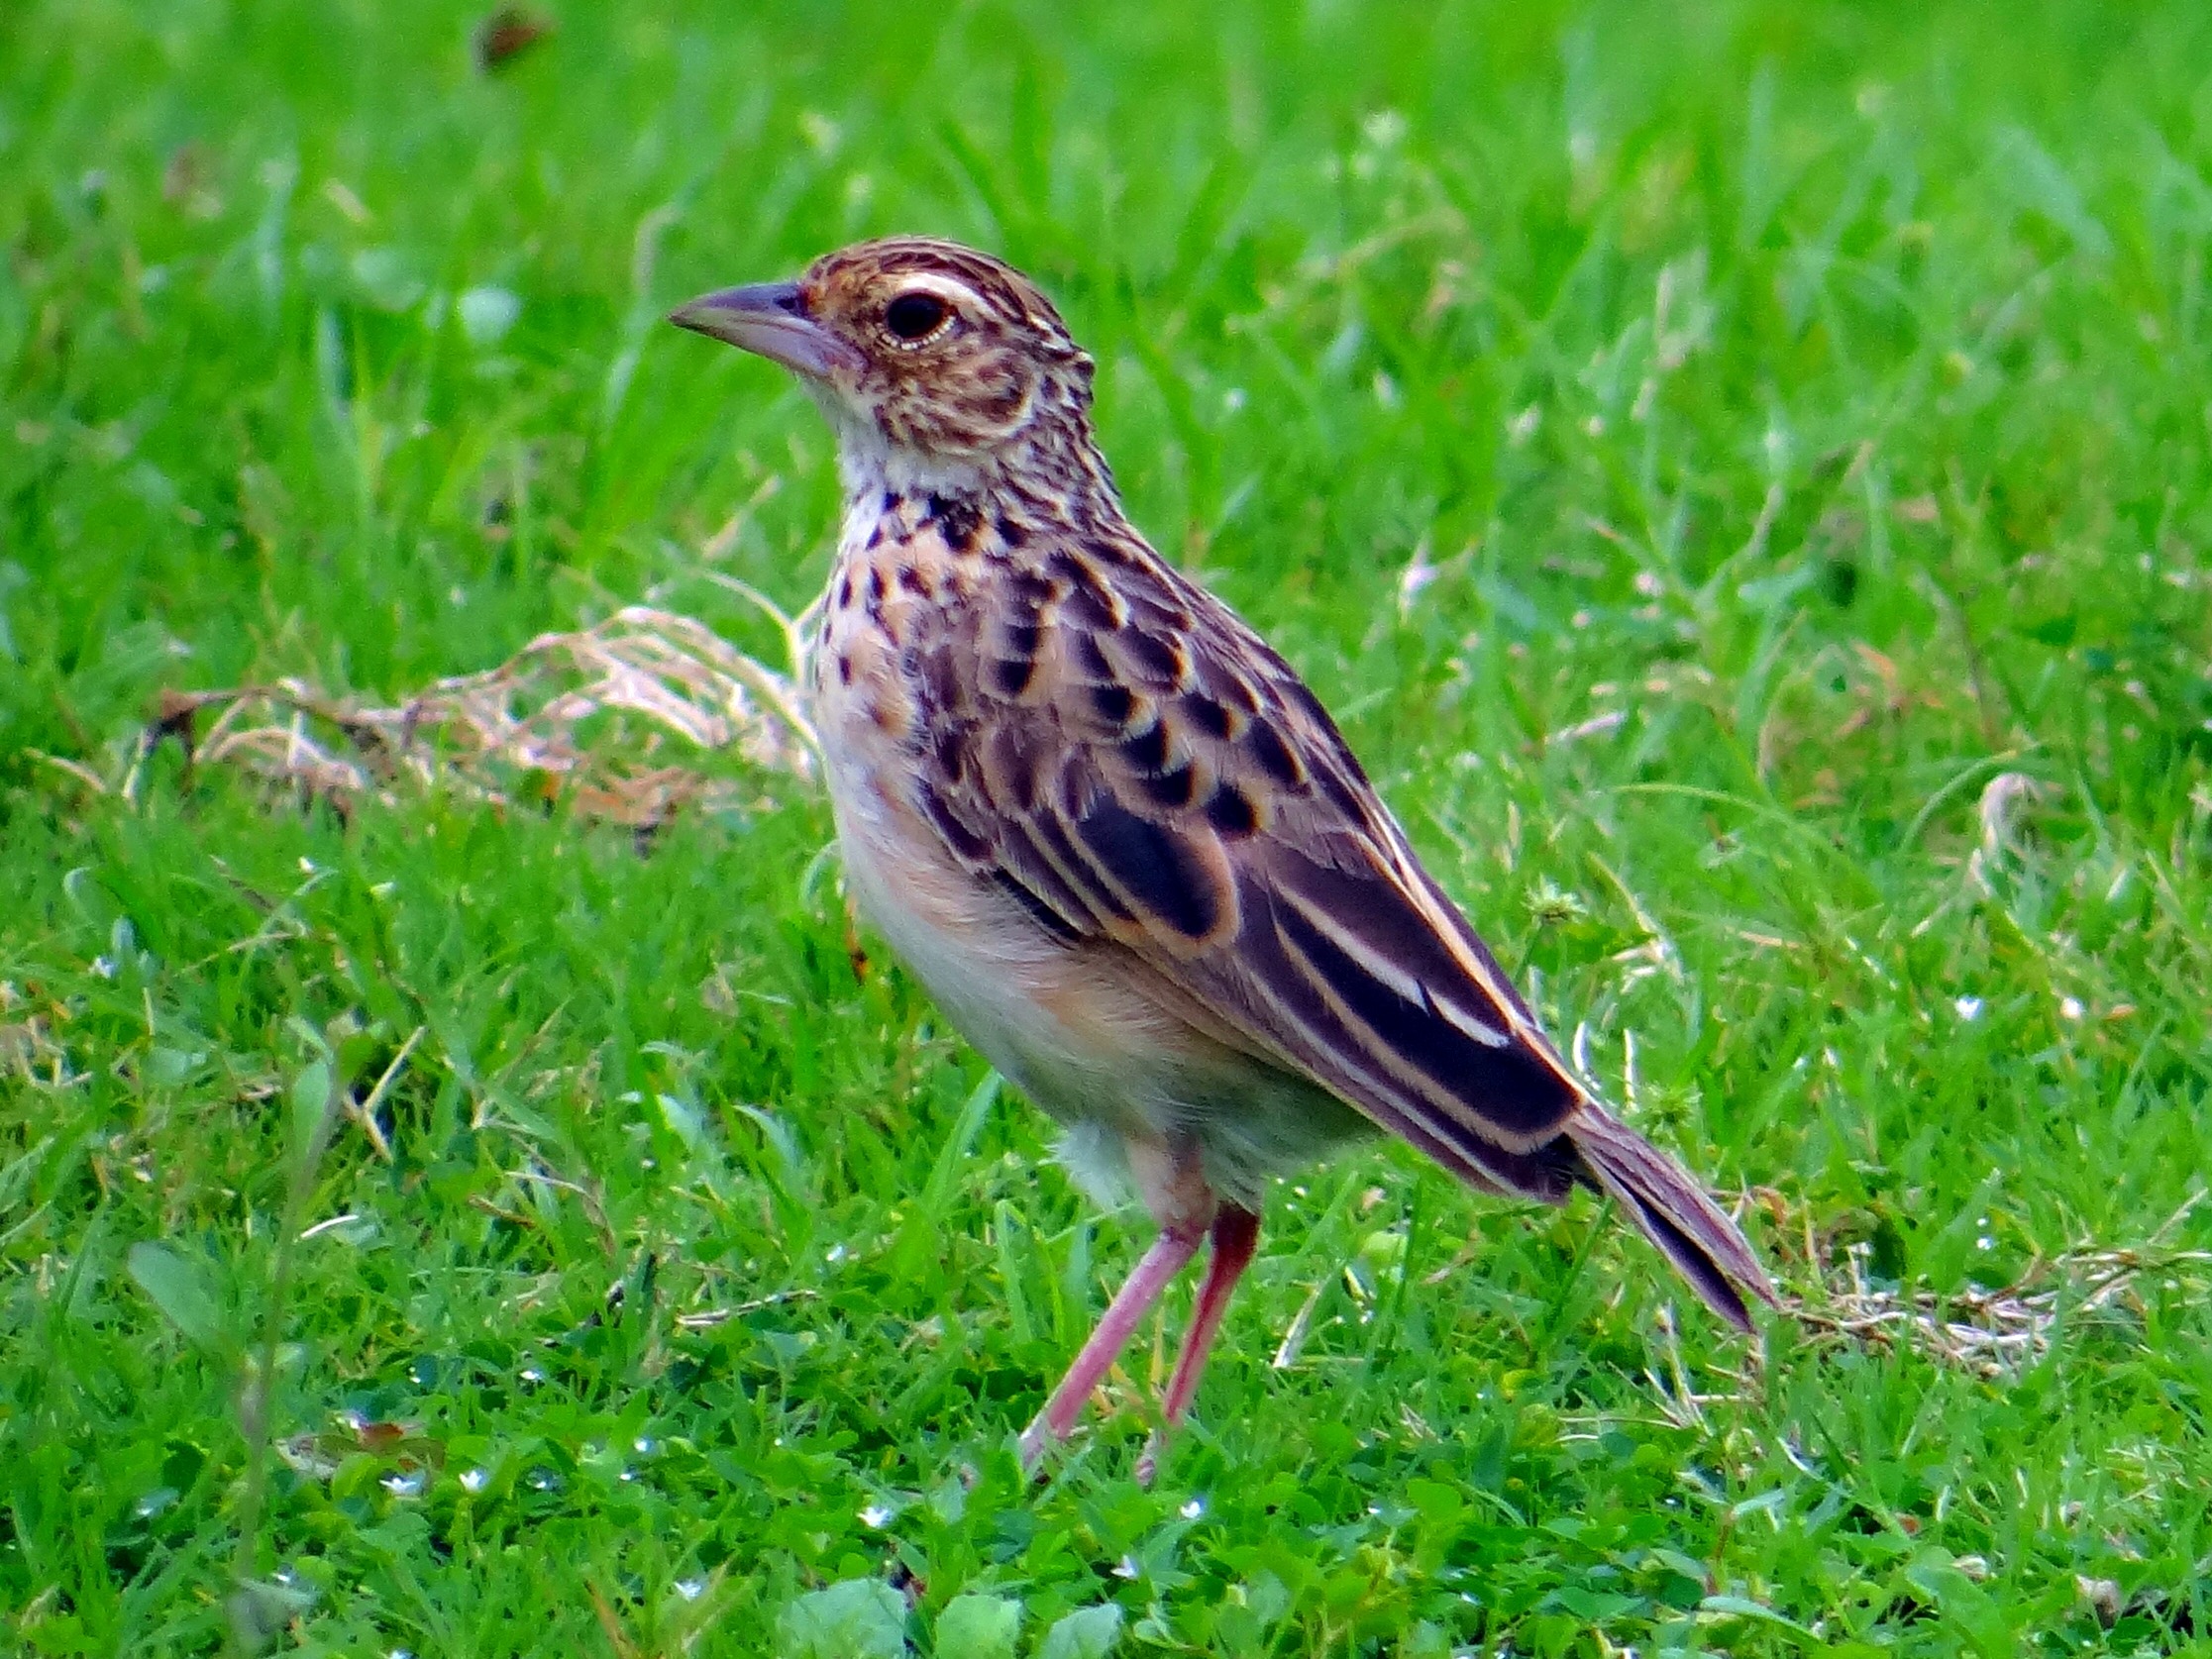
x: 868, y: 464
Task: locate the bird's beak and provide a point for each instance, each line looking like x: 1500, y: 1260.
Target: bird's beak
x: 769, y: 318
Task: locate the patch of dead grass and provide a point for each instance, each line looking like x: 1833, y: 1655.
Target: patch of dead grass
x: 1999, y: 1334
x: 674, y: 694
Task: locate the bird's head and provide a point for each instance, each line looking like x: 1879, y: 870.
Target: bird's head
x: 931, y: 359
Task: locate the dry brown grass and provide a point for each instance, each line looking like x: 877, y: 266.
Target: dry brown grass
x: 624, y: 722
x: 1998, y: 1333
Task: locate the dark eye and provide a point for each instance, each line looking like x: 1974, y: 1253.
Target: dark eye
x: 915, y: 316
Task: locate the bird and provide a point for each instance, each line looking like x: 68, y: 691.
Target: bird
x: 1119, y: 839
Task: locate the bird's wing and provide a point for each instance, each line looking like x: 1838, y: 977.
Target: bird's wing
x: 1112, y: 745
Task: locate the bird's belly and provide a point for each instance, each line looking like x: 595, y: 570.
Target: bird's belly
x: 1013, y: 990
x: 1061, y: 1024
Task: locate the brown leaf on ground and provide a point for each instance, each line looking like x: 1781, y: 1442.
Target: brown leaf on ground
x: 507, y: 34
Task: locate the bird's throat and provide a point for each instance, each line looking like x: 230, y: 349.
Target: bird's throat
x: 1052, y: 471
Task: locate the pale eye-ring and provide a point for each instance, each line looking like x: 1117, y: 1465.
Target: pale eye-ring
x: 916, y: 315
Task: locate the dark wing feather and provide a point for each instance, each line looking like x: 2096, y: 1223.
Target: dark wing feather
x: 1138, y: 767
x: 1144, y: 769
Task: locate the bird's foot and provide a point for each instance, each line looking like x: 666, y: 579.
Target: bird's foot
x: 1148, y: 1461
x: 1036, y: 1440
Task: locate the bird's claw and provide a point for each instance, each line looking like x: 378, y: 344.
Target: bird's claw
x: 1148, y: 1461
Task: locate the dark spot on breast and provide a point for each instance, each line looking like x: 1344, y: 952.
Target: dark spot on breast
x: 1010, y: 534
x: 844, y: 667
x: 1033, y: 590
x: 1108, y: 551
x: 1156, y: 867
x: 1176, y: 788
x: 876, y: 536
x: 1011, y: 676
x: 913, y: 581
x: 1024, y: 637
x: 1231, y: 811
x: 893, y: 501
x: 875, y: 588
x: 1114, y: 703
x: 845, y: 592
x: 1147, y: 751
x: 956, y: 518
x: 1275, y: 756
x: 1208, y: 715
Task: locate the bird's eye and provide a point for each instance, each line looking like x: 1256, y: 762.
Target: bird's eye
x: 915, y: 316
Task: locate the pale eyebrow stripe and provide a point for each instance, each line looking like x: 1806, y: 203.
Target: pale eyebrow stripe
x: 950, y: 289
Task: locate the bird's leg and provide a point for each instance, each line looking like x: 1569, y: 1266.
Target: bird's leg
x: 1236, y: 1235
x: 1170, y: 1254
x: 1171, y: 1175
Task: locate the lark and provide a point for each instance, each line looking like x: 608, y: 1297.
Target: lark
x: 1117, y: 838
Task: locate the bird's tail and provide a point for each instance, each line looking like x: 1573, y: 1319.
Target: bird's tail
x: 1673, y: 1210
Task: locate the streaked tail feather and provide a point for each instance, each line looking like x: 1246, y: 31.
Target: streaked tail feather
x: 1674, y: 1212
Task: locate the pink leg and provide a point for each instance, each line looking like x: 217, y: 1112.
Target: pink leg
x: 1236, y: 1235
x: 1170, y: 1254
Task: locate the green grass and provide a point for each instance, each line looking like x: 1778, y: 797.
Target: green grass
x: 1804, y: 411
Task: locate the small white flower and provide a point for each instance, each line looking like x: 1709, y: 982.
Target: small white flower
x: 487, y: 314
